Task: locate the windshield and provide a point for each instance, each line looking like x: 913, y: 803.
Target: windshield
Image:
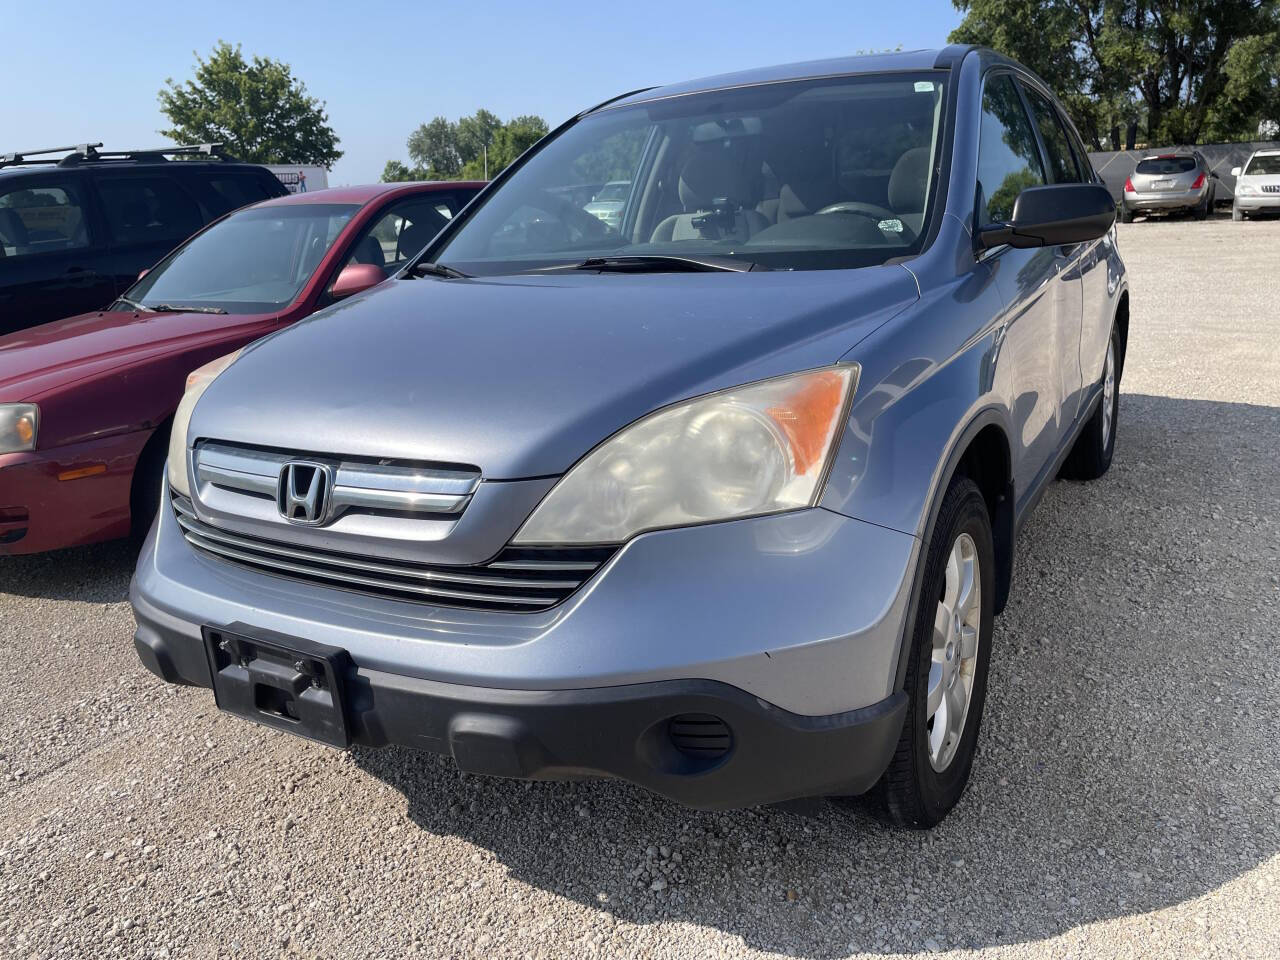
x: 254, y: 261
x: 1166, y: 165
x: 830, y: 173
x: 1264, y: 165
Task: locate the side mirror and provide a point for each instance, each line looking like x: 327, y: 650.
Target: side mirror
x: 1235, y: 171
x: 356, y: 278
x: 1058, y: 214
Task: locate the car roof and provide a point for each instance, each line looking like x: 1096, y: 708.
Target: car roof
x: 367, y: 193
x: 906, y: 60
x: 114, y: 164
x: 1266, y: 153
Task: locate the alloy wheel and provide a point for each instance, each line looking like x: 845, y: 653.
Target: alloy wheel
x: 1108, y: 394
x: 954, y: 655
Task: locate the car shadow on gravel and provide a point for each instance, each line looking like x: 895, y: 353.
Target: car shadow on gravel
x: 1125, y: 764
x: 98, y: 573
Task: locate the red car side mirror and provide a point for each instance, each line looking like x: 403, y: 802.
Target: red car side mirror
x: 355, y: 278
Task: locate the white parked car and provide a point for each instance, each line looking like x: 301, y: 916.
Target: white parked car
x: 1257, y: 185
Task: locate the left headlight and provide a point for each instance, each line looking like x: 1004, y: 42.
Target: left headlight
x: 197, y: 383
x: 1247, y: 190
x: 750, y: 450
x: 18, y: 425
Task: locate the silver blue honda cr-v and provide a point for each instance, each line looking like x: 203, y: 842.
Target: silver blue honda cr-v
x: 719, y: 497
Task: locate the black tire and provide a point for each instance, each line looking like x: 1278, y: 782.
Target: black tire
x: 1126, y: 215
x: 1236, y: 213
x: 1091, y: 456
x: 148, y: 484
x: 911, y: 793
x: 1202, y: 211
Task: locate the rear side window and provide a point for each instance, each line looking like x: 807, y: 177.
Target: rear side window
x: 1008, y: 158
x: 233, y: 192
x: 1054, y: 135
x: 147, y: 210
x: 1166, y: 165
x: 41, y: 219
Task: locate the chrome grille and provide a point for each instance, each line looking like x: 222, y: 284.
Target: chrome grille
x: 385, y: 487
x: 1271, y: 188
x: 517, y: 580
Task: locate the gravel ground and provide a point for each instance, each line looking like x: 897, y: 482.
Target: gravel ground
x: 1125, y: 803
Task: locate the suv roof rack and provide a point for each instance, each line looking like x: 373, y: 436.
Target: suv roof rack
x: 90, y: 153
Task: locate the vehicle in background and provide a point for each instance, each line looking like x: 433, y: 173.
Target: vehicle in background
x: 86, y: 402
x: 1257, y: 185
x: 300, y: 179
x: 607, y: 204
x: 1169, y: 183
x: 78, y: 223
x: 721, y: 501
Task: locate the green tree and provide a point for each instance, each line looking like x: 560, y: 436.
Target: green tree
x: 475, y: 137
x: 258, y: 109
x: 397, y: 172
x: 434, y: 148
x: 477, y: 147
x: 1166, y: 65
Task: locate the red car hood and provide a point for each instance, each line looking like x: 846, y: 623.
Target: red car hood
x: 33, y: 362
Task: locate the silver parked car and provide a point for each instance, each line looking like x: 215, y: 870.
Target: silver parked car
x: 608, y: 203
x: 722, y: 500
x: 1257, y: 185
x: 1170, y: 183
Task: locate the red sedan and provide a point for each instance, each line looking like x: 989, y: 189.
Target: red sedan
x: 86, y: 402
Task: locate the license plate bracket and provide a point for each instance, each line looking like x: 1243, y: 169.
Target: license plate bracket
x: 1162, y: 185
x: 288, y: 683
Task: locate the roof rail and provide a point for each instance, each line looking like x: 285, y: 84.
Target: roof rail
x: 20, y: 156
x: 90, y: 153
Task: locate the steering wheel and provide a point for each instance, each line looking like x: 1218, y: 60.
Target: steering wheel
x: 868, y: 210
x: 588, y: 224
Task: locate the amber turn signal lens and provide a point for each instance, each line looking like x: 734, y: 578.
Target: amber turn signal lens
x: 82, y: 472
x: 26, y: 429
x: 807, y: 417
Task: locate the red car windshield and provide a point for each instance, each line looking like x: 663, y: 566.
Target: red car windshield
x: 254, y: 261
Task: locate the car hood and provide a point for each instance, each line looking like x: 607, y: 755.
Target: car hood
x: 1259, y: 179
x: 520, y: 376
x: 33, y: 362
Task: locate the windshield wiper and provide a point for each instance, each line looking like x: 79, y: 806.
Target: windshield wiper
x: 179, y: 308
x: 428, y: 269
x: 134, y: 304
x: 666, y: 263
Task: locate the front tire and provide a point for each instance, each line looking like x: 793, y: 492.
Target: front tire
x: 148, y: 484
x: 1091, y: 456
x: 1236, y: 213
x: 947, y: 667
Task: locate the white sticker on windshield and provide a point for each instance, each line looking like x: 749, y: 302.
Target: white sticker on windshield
x: 891, y: 226
x: 924, y: 86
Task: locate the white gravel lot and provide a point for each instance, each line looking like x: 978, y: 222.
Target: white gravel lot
x: 1125, y: 803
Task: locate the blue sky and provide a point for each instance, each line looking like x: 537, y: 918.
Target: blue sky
x: 91, y: 70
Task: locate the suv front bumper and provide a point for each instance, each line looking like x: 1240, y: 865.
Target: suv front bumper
x: 1255, y: 202
x: 785, y: 629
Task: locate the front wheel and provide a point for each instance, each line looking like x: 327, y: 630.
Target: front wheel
x: 947, y: 670
x: 1236, y: 213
